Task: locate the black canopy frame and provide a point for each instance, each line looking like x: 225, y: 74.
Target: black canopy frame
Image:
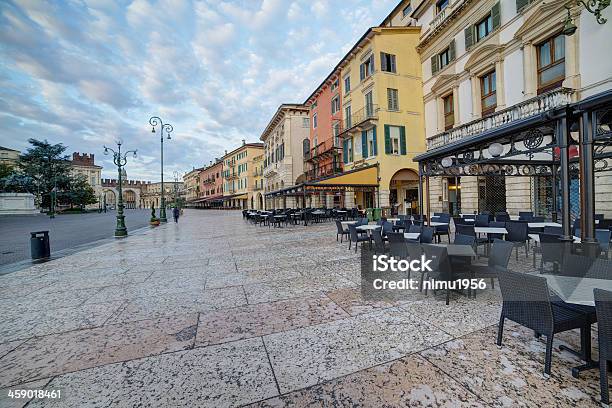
x: 538, y: 145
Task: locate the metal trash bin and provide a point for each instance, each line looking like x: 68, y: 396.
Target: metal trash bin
x: 39, y: 245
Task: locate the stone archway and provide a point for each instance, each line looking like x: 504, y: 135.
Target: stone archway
x: 260, y: 201
x: 404, y: 187
x: 110, y: 197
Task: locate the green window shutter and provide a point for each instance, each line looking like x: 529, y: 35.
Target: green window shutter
x: 496, y: 15
x: 375, y: 152
x: 387, y: 140
x: 364, y: 144
x: 521, y: 4
x: 451, y: 50
x: 362, y: 72
x: 435, y: 64
x: 469, y: 37
x: 393, y: 65
x: 345, y: 151
x: 402, y: 140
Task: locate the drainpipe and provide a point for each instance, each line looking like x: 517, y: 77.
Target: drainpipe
x: 588, y: 123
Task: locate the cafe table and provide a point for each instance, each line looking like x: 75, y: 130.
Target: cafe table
x: 578, y: 291
x: 412, y: 235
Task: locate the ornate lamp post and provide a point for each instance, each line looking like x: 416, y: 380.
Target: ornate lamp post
x: 120, y: 160
x: 164, y: 127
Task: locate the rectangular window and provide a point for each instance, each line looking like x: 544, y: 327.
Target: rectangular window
x: 394, y: 133
x: 369, y: 105
x: 370, y: 142
x: 306, y: 122
x: 314, y: 105
x: 349, y: 150
x: 441, y: 5
x: 392, y: 99
x: 335, y: 105
x: 336, y: 130
x: 407, y: 10
x: 488, y: 93
x: 334, y: 85
x: 444, y: 58
x: 387, y: 62
x: 314, y: 121
x: 347, y: 117
x: 367, y: 67
x: 551, y: 63
x: 347, y: 84
x: 484, y: 27
x: 449, y: 112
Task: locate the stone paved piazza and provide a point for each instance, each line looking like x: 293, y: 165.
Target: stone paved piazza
x: 218, y: 312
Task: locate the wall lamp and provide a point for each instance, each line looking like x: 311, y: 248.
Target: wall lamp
x: 594, y: 7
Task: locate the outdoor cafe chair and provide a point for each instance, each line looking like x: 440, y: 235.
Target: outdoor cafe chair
x: 441, y: 230
x: 469, y: 230
x: 355, y: 237
x: 550, y: 250
x: 341, y: 231
x: 379, y: 243
x: 526, y: 301
x: 497, y: 263
x: 603, y: 305
x: 600, y: 269
x: 551, y: 229
x: 525, y: 215
x: 440, y: 265
x: 482, y: 220
x: 518, y: 235
x: 387, y: 227
x: 427, y: 234
x: 496, y: 224
x: 603, y: 237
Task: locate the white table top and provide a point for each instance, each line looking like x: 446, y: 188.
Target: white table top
x: 536, y: 238
x: 458, y: 250
x: 347, y: 222
x: 576, y: 290
x: 341, y: 211
x: 393, y: 219
x: 543, y: 224
x: 368, y: 227
x: 318, y: 212
x: 437, y: 224
x: 412, y: 235
x: 280, y: 216
x: 490, y: 230
x: 469, y: 219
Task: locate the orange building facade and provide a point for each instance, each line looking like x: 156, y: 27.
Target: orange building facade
x: 211, y: 186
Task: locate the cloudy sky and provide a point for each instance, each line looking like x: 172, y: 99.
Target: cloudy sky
x: 88, y: 72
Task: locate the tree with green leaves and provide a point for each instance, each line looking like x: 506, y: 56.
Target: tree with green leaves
x: 44, y: 166
x: 79, y: 193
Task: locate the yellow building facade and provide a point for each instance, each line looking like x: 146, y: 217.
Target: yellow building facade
x: 239, y: 176
x: 382, y: 123
x: 257, y: 199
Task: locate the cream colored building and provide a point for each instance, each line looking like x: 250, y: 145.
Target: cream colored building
x: 239, y: 176
x: 191, y: 181
x: 9, y: 156
x: 283, y: 151
x: 490, y: 63
x: 151, y: 193
x: 258, y: 183
x: 84, y: 165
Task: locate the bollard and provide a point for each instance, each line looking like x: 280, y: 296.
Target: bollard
x: 39, y: 245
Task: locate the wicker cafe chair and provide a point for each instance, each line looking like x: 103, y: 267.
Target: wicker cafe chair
x: 518, y: 235
x: 499, y: 257
x: 440, y: 265
x: 526, y: 301
x: 379, y: 243
x: 603, y: 305
x: 341, y: 231
x: 355, y: 237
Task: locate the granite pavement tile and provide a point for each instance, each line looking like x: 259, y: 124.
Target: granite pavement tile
x: 56, y: 354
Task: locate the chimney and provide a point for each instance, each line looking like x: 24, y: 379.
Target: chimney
x: 226, y: 152
x: 243, y: 142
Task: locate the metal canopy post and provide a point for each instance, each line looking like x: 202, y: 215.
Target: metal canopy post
x: 588, y: 121
x: 563, y: 140
x: 420, y: 188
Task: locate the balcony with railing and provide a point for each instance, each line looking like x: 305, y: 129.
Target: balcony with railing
x: 209, y: 180
x: 231, y: 175
x: 257, y: 187
x: 323, y: 150
x: 531, y: 107
x: 362, y: 117
x: 326, y: 170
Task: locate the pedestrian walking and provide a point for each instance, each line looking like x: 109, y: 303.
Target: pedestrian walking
x: 176, y: 213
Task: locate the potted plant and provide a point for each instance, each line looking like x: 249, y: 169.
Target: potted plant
x: 154, y: 221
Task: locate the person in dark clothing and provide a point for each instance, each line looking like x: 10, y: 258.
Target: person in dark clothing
x: 176, y: 213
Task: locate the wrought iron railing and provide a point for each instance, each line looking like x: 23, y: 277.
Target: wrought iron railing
x: 358, y: 117
x: 329, y: 145
x: 323, y: 171
x: 531, y: 107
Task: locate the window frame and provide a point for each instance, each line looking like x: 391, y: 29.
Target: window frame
x: 404, y: 12
x: 446, y: 52
x: 439, y: 8
x: 347, y: 84
x: 488, y: 20
x: 390, y: 62
x: 335, y: 104
x: 491, y: 77
x: 390, y: 106
x: 393, y: 140
x: 557, y: 82
x: 448, y: 124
